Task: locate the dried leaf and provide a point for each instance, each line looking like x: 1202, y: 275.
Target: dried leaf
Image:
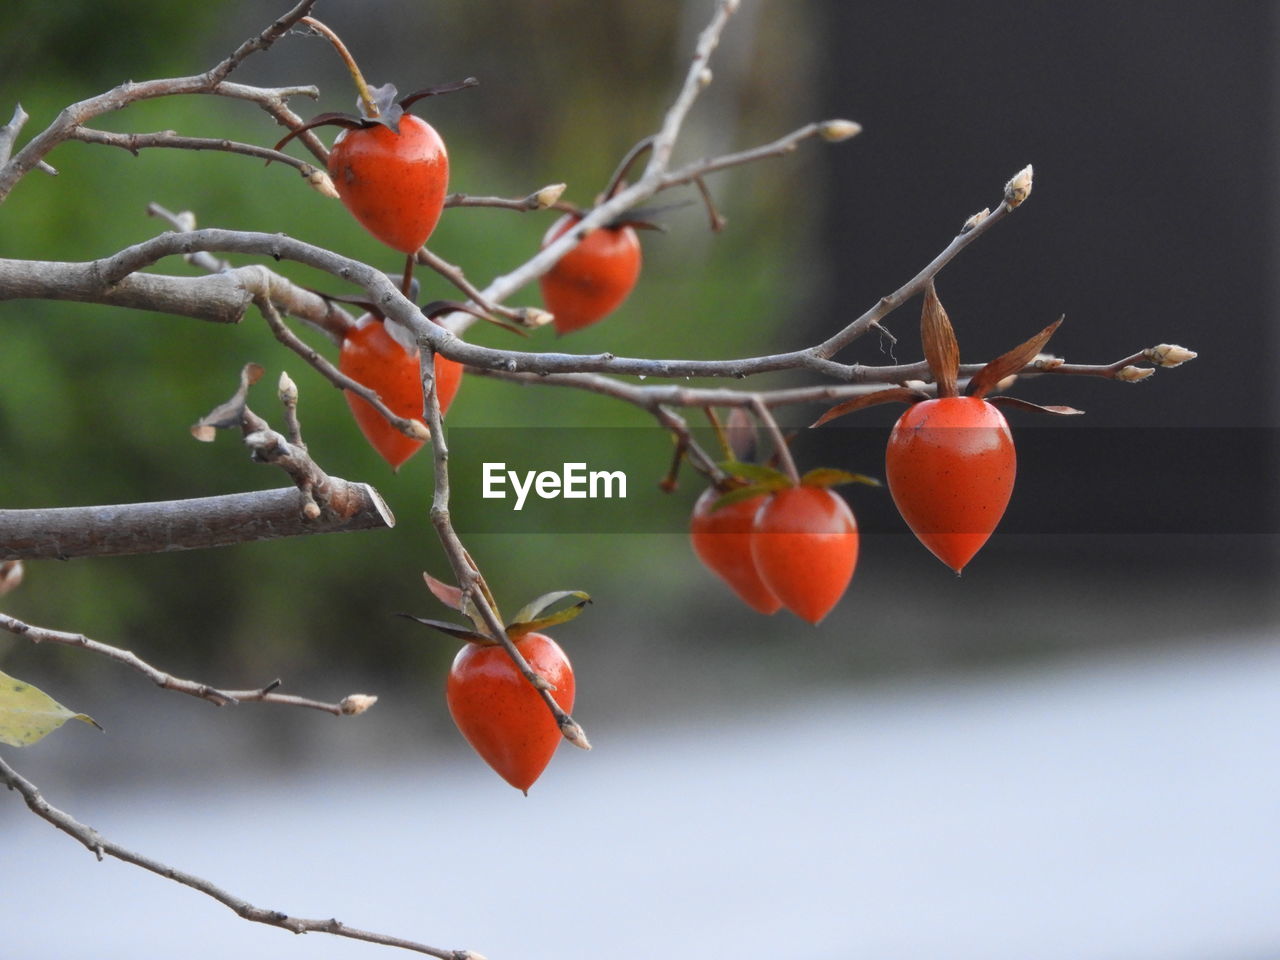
x: 11, y: 574
x: 1017, y: 403
x: 346, y: 120
x: 941, y: 351
x: 406, y: 101
x: 450, y: 629
x: 446, y: 593
x: 740, y: 433
x: 888, y: 395
x: 28, y: 714
x: 1009, y: 363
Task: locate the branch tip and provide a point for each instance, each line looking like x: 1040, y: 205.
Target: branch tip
x: 833, y: 131
x: 1018, y: 189
x: 286, y: 389
x: 574, y: 733
x: 548, y: 196
x: 320, y: 182
x: 355, y: 704
x: 1169, y: 355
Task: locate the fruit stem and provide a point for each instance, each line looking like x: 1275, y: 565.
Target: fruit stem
x: 366, y: 98
x: 780, y: 447
x: 406, y: 283
x: 721, y: 436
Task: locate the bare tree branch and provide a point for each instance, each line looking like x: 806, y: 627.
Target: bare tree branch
x: 221, y: 298
x: 101, y: 847
x: 77, y: 114
x: 60, y: 533
x: 216, y: 299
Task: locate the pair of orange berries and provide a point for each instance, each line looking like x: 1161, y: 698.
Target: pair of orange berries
x: 795, y: 548
x: 950, y: 464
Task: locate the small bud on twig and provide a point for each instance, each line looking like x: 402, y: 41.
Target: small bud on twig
x: 356, y: 703
x: 976, y: 219
x: 1169, y: 355
x: 286, y: 389
x: 419, y: 430
x: 320, y: 182
x: 548, y: 195
x: 1132, y: 374
x: 1047, y: 361
x: 1019, y: 188
x: 535, y: 317
x: 833, y: 131
x: 704, y: 77
x: 574, y: 733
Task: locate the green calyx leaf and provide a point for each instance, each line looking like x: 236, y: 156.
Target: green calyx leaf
x: 831, y: 477
x: 28, y: 714
x: 756, y: 473
x: 749, y: 492
x: 530, y: 618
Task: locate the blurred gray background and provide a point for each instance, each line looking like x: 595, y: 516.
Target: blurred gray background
x: 1067, y: 752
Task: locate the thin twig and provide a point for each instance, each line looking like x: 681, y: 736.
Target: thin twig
x: 211, y: 82
x: 168, y: 139
x: 9, y: 132
x: 349, y: 706
x: 538, y: 200
x: 781, y: 449
x: 406, y: 425
x: 101, y: 847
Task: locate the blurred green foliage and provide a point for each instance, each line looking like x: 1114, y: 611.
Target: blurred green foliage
x: 95, y: 402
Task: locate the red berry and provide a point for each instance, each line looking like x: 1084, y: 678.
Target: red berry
x: 591, y: 280
x: 372, y: 357
x: 951, y: 465
x: 500, y: 714
x: 805, y: 546
x: 722, y: 540
x: 394, y: 183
